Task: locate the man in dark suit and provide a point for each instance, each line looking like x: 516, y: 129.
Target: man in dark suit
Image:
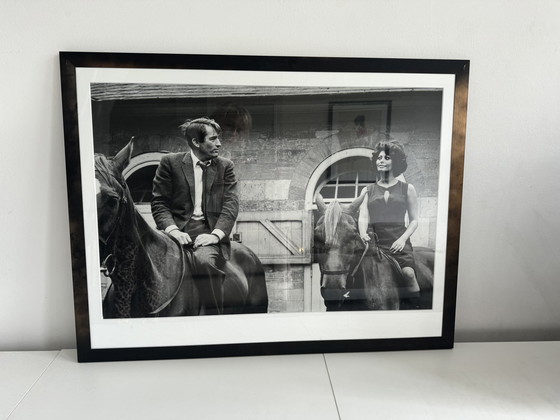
x: 195, y: 201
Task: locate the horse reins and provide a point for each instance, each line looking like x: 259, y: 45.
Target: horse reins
x: 105, y: 241
x: 348, y: 271
x: 183, y: 268
x: 380, y: 252
x: 361, y: 259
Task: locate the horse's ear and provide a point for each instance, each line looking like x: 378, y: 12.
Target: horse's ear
x: 321, y: 206
x: 355, y: 205
x: 122, y: 159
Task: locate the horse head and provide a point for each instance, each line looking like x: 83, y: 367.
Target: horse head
x: 338, y: 245
x: 113, y: 195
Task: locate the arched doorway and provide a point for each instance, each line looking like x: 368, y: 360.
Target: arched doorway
x: 341, y: 176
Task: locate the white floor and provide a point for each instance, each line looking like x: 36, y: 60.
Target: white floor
x: 472, y: 381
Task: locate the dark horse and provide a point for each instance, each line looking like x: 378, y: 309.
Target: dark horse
x: 358, y: 276
x: 150, y: 272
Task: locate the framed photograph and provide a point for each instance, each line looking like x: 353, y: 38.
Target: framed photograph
x: 360, y: 119
x: 251, y: 205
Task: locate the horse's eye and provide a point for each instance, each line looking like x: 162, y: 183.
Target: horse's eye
x: 110, y: 200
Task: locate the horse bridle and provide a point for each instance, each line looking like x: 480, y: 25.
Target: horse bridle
x: 335, y: 272
x: 380, y: 254
x: 104, y: 268
x: 105, y: 241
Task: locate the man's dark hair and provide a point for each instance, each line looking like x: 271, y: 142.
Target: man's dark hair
x: 197, y: 129
x: 394, y: 149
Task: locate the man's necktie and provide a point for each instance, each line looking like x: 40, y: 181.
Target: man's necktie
x: 204, y: 166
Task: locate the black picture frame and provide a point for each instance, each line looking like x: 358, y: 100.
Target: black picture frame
x: 444, y: 79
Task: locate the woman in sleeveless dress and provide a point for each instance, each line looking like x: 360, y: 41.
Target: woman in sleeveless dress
x: 383, y: 211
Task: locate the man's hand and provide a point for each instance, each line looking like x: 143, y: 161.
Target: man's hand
x: 182, y: 237
x: 205, y: 239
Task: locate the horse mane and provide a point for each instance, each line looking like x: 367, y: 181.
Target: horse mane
x: 332, y: 217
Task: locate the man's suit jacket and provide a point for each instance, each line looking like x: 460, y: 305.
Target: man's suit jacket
x: 173, y: 194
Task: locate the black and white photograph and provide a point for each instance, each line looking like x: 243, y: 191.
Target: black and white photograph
x: 263, y: 209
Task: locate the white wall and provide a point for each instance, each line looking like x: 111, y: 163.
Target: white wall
x: 508, y: 283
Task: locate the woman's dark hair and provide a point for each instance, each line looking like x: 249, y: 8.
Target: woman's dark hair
x: 394, y: 149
